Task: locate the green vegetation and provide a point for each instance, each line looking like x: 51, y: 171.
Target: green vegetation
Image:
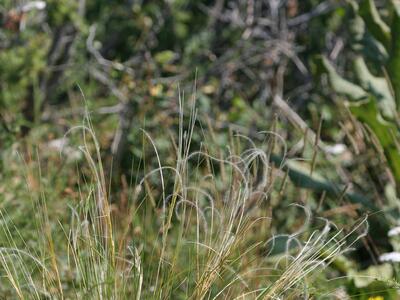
x: 199, y: 149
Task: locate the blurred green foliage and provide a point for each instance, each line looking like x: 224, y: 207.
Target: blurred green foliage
x: 127, y: 62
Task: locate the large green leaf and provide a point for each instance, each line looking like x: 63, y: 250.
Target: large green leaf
x: 338, y: 83
x: 365, y: 104
x: 394, y: 61
x: 364, y: 42
x: 369, y: 85
x: 367, y: 112
x: 364, y: 278
x: 377, y: 86
x: 373, y: 283
x: 302, y: 178
x: 374, y: 23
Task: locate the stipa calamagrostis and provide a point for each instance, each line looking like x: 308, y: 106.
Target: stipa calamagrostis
x: 207, y: 241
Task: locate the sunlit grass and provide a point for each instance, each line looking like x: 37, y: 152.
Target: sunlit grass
x: 199, y: 229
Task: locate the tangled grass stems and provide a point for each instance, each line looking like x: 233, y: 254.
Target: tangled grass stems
x: 203, y: 241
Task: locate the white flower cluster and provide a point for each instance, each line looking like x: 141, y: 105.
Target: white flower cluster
x: 391, y: 256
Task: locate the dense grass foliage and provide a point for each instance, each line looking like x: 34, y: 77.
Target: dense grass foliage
x: 199, y: 149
